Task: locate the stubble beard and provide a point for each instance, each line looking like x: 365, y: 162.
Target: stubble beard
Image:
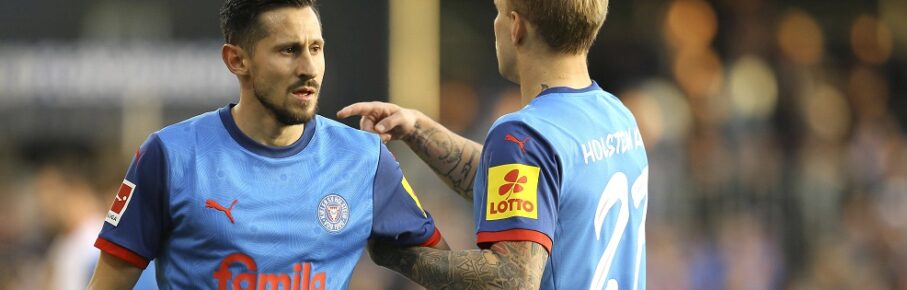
x: 284, y: 115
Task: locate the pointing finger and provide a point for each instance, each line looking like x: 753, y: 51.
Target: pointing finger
x: 364, y: 108
x: 351, y: 110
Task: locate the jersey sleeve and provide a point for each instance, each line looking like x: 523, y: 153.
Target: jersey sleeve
x: 138, y: 218
x: 521, y: 183
x: 398, y: 216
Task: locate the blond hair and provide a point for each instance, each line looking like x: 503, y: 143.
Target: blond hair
x: 567, y: 26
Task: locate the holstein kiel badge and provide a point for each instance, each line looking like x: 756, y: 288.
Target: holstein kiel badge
x: 333, y: 213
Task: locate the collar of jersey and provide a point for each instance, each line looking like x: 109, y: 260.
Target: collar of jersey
x: 262, y: 149
x: 566, y: 90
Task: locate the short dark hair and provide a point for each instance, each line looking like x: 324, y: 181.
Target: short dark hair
x: 239, y: 19
x: 567, y: 26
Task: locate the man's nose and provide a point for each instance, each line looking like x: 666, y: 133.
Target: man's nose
x: 306, y: 66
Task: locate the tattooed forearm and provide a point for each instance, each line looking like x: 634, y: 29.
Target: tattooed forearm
x: 452, y: 157
x: 507, y: 265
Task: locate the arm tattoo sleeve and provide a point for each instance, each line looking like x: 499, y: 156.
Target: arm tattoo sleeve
x: 507, y: 265
x: 452, y: 157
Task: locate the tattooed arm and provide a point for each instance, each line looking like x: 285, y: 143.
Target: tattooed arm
x: 506, y: 265
x: 452, y: 157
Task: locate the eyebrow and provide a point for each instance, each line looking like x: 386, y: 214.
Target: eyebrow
x: 294, y: 42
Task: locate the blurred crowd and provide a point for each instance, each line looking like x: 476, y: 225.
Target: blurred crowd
x: 775, y: 133
x: 778, y: 162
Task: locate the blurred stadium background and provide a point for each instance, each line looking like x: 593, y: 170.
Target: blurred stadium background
x: 775, y: 129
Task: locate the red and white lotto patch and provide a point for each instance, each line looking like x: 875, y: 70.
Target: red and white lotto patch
x: 124, y: 195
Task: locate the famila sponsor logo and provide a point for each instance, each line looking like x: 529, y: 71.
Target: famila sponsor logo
x: 301, y: 278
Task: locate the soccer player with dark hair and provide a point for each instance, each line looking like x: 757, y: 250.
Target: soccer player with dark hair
x: 263, y: 194
x: 559, y: 187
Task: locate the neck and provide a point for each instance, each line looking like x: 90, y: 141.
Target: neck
x: 260, y: 124
x: 541, y: 71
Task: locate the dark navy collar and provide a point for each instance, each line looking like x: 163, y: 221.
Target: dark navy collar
x: 566, y: 90
x: 262, y: 149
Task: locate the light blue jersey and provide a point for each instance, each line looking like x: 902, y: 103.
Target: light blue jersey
x: 216, y: 210
x: 569, y: 171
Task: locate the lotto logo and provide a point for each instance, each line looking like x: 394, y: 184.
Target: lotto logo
x: 512, y: 192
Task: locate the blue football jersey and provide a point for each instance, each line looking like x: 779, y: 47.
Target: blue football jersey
x: 217, y: 210
x: 568, y: 171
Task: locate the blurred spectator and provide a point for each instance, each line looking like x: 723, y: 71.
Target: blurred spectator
x: 65, y: 185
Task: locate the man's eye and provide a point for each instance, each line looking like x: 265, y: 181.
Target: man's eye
x: 315, y: 48
x: 289, y: 50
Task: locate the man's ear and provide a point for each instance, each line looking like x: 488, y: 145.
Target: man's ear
x: 518, y: 29
x: 235, y: 59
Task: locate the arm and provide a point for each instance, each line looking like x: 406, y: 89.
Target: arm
x: 505, y: 265
x: 452, y: 157
x: 113, y: 273
x: 517, y: 239
x: 136, y: 221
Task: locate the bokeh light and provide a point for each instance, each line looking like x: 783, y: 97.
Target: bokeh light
x: 459, y: 106
x: 753, y: 88
x: 871, y: 40
x: 698, y: 72
x: 869, y: 93
x: 827, y: 113
x: 661, y: 110
x: 690, y: 24
x: 800, y: 37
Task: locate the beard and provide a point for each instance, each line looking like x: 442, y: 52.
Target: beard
x: 282, y: 112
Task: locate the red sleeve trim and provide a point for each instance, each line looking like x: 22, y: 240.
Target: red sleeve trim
x: 485, y: 239
x: 123, y: 253
x: 433, y: 240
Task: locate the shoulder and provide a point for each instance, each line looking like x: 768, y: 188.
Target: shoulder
x: 518, y: 117
x: 529, y: 117
x: 340, y: 134
x: 179, y: 141
x: 515, y: 127
x: 187, y: 130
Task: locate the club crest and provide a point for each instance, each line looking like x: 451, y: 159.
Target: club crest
x: 333, y: 213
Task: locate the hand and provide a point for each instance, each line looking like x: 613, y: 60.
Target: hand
x: 389, y: 121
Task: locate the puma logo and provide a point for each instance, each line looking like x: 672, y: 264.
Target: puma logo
x: 521, y: 143
x: 213, y: 204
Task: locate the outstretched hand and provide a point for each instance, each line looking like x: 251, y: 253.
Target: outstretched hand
x: 389, y: 121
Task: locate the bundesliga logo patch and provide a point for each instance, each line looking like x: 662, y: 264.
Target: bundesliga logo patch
x: 333, y: 213
x: 120, y: 202
x: 512, y: 192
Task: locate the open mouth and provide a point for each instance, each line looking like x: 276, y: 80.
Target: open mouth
x: 304, y: 93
